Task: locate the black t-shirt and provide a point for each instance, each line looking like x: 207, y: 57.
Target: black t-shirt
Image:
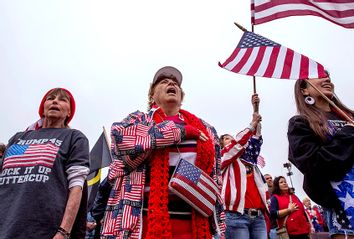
x: 33, y: 180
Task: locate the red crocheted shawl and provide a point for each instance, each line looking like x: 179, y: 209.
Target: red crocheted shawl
x: 158, y: 218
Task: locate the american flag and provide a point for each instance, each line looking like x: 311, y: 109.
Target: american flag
x: 345, y: 193
x: 30, y: 155
x: 261, y: 161
x: 256, y: 55
x: 195, y: 187
x: 340, y: 12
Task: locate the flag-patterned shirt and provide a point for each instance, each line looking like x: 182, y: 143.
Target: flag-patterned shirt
x: 34, y: 183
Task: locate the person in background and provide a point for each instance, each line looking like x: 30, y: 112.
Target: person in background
x: 2, y: 150
x: 273, y: 223
x: 98, y: 209
x: 314, y: 215
x: 287, y: 206
x: 146, y: 147
x: 90, y: 227
x: 244, y: 188
x: 321, y: 146
x: 269, y: 181
x: 43, y: 173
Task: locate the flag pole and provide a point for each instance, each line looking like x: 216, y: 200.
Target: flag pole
x: 331, y: 103
x: 256, y: 106
x: 106, y: 137
x: 241, y: 27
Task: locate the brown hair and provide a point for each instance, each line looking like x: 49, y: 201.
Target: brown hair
x: 315, y: 116
x: 152, y: 89
x: 276, y: 189
x: 2, y: 148
x: 221, y: 140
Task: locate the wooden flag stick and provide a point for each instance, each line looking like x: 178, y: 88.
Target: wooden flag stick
x: 241, y: 27
x: 331, y: 103
x: 256, y: 107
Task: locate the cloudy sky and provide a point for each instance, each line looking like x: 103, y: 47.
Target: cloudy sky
x: 106, y: 53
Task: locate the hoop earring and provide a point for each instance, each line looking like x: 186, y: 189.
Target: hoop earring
x: 309, y: 100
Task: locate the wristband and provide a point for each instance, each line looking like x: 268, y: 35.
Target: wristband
x: 65, y: 233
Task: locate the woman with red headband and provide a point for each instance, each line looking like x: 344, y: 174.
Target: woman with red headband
x: 43, y: 172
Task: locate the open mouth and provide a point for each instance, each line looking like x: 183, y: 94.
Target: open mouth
x: 171, y: 90
x: 54, y: 108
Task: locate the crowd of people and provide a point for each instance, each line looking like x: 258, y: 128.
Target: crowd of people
x: 43, y: 170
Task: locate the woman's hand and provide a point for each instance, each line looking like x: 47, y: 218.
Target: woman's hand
x: 255, y: 99
x: 194, y: 133
x: 255, y: 102
x: 292, y: 207
x: 90, y: 226
x: 203, y: 137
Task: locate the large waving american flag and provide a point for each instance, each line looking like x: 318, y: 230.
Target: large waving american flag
x: 195, y: 187
x: 256, y: 55
x: 340, y: 12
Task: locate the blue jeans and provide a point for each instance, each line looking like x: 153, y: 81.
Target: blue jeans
x: 333, y: 226
x: 273, y: 233
x: 244, y: 226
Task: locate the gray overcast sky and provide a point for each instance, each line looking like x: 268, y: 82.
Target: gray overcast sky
x: 106, y: 53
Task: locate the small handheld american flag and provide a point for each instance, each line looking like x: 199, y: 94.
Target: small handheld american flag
x: 195, y: 187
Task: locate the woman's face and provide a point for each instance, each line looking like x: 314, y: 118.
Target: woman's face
x: 227, y: 139
x: 323, y: 84
x: 283, y: 185
x: 307, y: 203
x: 167, y: 91
x: 57, y: 107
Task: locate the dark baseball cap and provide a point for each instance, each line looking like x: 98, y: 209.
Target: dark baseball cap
x: 168, y: 71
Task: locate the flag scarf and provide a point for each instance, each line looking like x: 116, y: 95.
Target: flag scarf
x: 340, y: 12
x: 100, y: 157
x: 256, y: 55
x: 195, y: 187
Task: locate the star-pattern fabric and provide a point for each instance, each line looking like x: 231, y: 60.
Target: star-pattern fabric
x: 345, y: 193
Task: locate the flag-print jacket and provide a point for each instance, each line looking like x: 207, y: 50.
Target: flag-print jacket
x: 133, y: 141
x: 246, y: 148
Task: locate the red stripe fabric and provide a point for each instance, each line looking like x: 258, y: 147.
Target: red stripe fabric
x: 340, y: 12
x: 288, y: 62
